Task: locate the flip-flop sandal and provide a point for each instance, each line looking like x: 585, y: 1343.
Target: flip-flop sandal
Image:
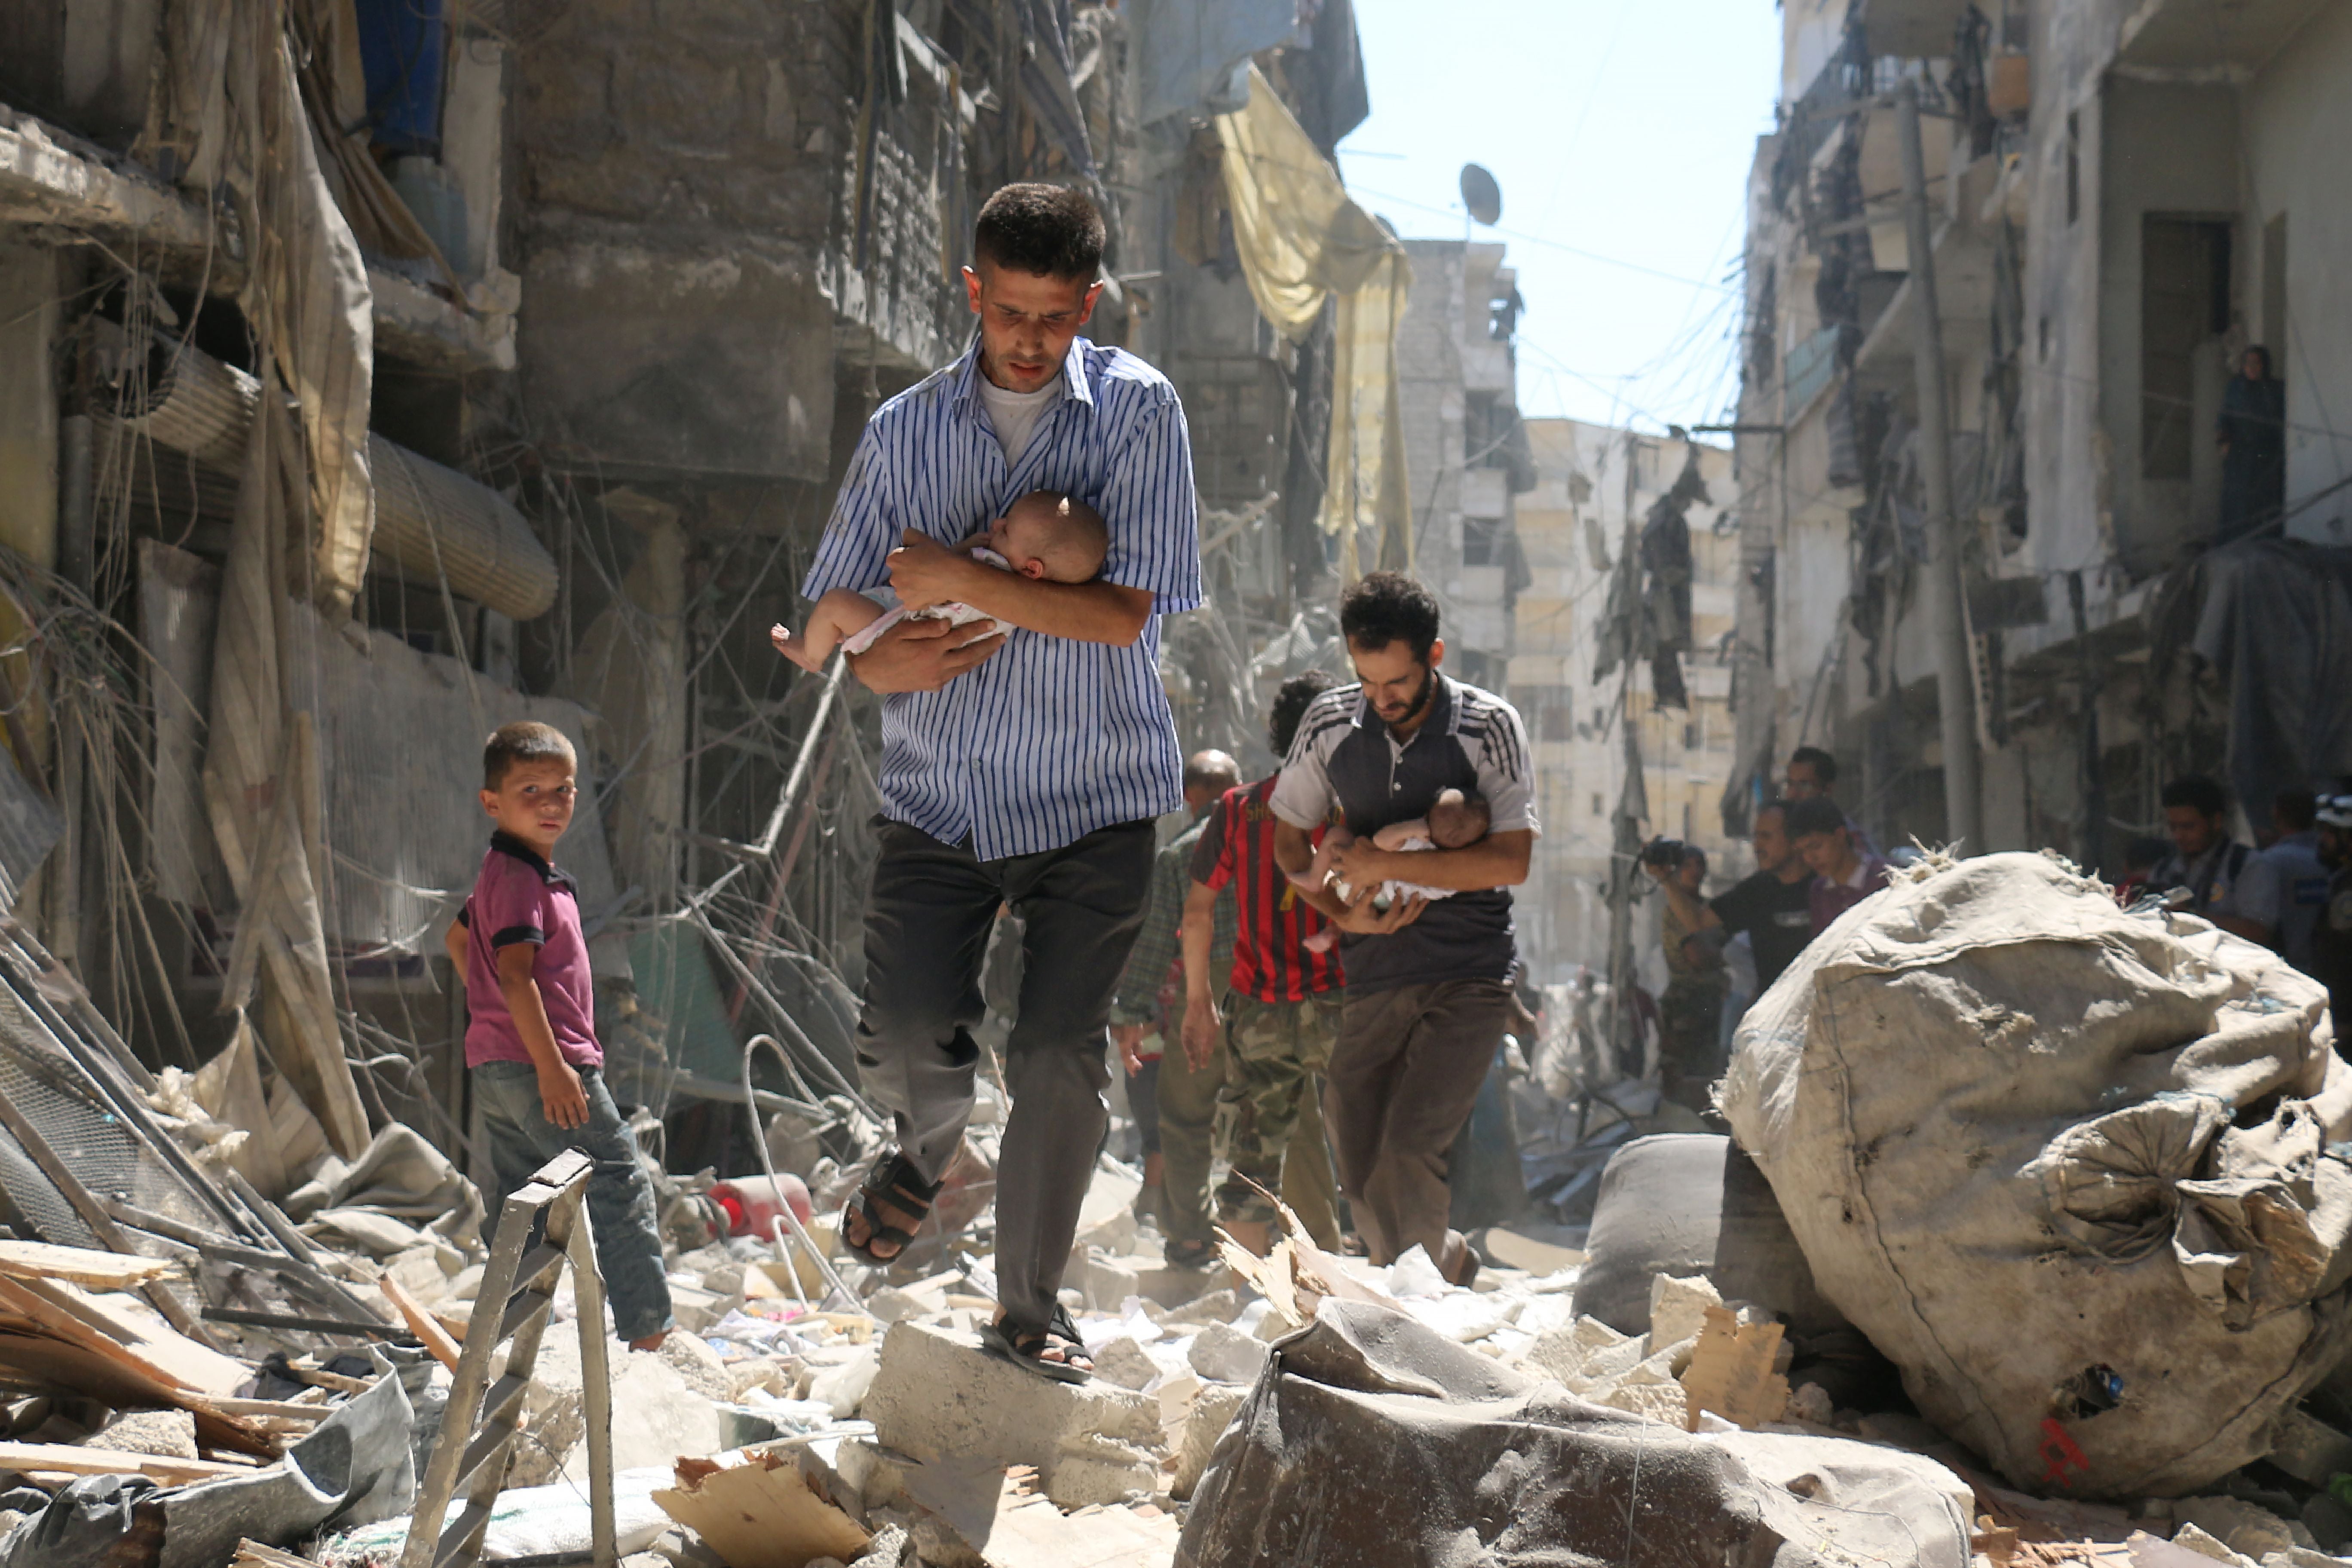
x: 1024, y: 1348
x: 897, y: 1182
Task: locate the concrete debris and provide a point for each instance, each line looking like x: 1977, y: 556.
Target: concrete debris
x: 1212, y: 1413
x: 938, y: 1395
x: 1222, y: 1353
x: 169, y: 1433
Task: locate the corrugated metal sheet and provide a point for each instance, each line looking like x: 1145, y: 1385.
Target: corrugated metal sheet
x: 400, y: 754
x: 30, y: 828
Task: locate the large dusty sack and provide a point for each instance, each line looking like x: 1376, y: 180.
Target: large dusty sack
x: 1690, y: 1203
x: 2077, y: 1173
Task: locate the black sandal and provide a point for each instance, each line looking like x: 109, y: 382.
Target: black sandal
x: 897, y: 1182
x: 1190, y: 1253
x: 1026, y: 1348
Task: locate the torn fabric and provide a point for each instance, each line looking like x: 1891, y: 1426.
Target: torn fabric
x: 261, y: 791
x: 1303, y: 241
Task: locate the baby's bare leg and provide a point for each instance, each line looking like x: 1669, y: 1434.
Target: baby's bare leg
x: 840, y: 614
x: 1397, y: 834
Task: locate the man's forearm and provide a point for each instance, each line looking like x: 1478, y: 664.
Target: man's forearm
x: 1497, y: 861
x: 1694, y: 914
x: 1082, y: 612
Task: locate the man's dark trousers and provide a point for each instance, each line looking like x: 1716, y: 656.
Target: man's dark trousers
x: 926, y: 925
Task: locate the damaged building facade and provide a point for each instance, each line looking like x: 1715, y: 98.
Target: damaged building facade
x: 2119, y: 200
x: 605, y: 296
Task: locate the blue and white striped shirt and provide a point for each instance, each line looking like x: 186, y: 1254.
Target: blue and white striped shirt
x: 1052, y: 738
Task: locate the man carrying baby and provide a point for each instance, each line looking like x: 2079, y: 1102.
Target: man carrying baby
x: 1428, y: 980
x: 1024, y: 766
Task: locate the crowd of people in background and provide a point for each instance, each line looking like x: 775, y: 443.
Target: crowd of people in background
x: 2291, y: 892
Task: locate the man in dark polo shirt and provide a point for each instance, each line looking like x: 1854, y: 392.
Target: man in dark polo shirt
x: 1774, y: 907
x: 1428, y: 981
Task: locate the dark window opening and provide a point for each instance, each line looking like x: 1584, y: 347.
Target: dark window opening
x: 2184, y: 301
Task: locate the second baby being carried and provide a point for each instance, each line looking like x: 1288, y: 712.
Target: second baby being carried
x: 1044, y: 535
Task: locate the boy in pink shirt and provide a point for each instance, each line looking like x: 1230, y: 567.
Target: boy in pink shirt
x: 530, y: 1032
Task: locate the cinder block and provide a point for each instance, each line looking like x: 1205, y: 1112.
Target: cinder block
x: 939, y: 1396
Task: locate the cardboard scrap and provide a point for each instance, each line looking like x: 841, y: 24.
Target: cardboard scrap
x: 764, y: 1513
x: 1731, y: 1372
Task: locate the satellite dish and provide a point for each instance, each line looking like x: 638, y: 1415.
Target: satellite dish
x: 1481, y: 194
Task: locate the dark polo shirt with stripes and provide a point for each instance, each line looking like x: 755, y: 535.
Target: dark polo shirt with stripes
x: 1472, y: 741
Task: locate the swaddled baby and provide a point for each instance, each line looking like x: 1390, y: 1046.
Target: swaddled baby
x: 1455, y: 821
x: 1044, y: 535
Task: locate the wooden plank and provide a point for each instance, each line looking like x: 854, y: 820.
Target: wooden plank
x: 81, y: 1265
x: 97, y: 1325
x: 421, y: 1323
x: 59, y: 1365
x: 93, y: 1214
x: 60, y: 1459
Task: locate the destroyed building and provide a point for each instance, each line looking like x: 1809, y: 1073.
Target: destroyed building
x: 2118, y: 201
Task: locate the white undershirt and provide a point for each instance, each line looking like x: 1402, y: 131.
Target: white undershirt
x: 1013, y: 416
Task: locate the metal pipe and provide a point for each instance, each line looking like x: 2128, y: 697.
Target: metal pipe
x: 1940, y: 596
x: 431, y: 521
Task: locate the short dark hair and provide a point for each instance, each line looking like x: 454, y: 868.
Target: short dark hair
x: 1052, y: 231
x: 1290, y: 706
x: 2294, y: 810
x: 1389, y: 606
x: 524, y: 741
x: 1779, y: 804
x: 2203, y: 794
x: 1814, y: 813
x: 1824, y: 766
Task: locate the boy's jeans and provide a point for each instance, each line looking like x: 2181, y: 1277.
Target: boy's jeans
x: 620, y: 1199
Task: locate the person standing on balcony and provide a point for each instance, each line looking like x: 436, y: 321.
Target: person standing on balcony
x: 2253, y: 448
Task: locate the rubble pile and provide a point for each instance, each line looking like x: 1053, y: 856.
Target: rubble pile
x: 263, y: 1382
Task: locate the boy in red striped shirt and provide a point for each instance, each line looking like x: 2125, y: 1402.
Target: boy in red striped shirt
x: 1286, y: 995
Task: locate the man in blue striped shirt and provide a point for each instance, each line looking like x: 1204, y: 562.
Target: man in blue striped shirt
x: 1025, y: 767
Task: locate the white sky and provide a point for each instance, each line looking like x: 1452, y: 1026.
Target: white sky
x: 1622, y: 130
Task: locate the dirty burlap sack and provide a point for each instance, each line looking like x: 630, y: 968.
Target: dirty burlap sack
x: 2079, y: 1174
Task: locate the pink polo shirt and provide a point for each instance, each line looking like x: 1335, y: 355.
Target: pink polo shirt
x: 520, y: 898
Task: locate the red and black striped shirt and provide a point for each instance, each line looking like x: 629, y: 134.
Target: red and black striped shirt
x: 1270, y: 960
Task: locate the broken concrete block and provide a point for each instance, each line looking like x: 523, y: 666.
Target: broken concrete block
x: 656, y: 1416
x: 1731, y: 1372
x: 1212, y: 1412
x: 940, y: 1395
x: 1216, y: 1307
x: 1651, y: 1401
x: 1124, y: 1363
x: 169, y: 1433
x: 1678, y: 1308
x: 2191, y: 1539
x: 1107, y: 1282
x: 1091, y: 1471
x: 1811, y: 1403
x: 765, y: 1512
x: 1222, y: 1353
x: 692, y: 1357
x: 890, y: 1303
x: 1566, y: 1354
x: 2245, y: 1528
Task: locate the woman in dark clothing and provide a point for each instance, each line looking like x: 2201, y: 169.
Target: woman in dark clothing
x: 2253, y: 448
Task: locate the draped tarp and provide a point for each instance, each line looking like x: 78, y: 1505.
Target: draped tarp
x: 1303, y: 241
x: 231, y: 116
x: 262, y: 793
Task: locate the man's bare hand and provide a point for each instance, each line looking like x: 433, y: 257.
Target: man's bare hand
x: 1127, y: 1038
x: 1365, y: 921
x: 924, y: 572
x: 1203, y: 1024
x: 922, y: 655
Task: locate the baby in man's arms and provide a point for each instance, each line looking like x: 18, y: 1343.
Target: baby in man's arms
x: 1455, y: 821
x: 1044, y: 535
